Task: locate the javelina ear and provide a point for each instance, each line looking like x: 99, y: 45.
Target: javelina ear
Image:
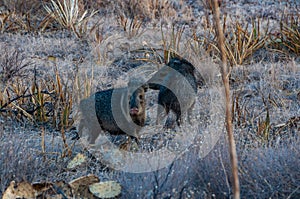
x: 145, y: 87
x: 153, y: 86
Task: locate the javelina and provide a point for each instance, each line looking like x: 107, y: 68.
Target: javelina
x: 118, y: 111
x: 177, y: 87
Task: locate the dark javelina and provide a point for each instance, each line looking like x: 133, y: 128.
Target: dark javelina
x: 177, y: 87
x: 118, y: 111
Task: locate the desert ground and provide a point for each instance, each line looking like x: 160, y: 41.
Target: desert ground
x: 52, y: 59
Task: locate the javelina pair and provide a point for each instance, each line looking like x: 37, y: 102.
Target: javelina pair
x: 177, y: 87
x: 118, y: 111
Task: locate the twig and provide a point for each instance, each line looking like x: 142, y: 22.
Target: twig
x: 225, y: 77
x: 224, y: 170
x: 21, y: 97
x: 23, y: 111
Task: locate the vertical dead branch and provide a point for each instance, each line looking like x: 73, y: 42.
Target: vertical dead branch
x: 225, y: 77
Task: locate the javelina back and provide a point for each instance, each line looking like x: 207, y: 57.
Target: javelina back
x: 118, y: 111
x: 177, y: 87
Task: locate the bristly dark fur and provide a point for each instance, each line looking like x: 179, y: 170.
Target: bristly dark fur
x: 167, y: 78
x: 117, y: 111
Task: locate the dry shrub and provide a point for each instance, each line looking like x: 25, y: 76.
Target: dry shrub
x: 39, y: 99
x: 23, y: 6
x: 31, y: 15
x: 12, y: 65
x: 97, y: 4
x: 208, y: 4
x: 131, y: 26
x: 23, y: 16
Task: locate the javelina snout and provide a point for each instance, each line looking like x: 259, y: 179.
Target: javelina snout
x: 137, y: 105
x: 118, y: 111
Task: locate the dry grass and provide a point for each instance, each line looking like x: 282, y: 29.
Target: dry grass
x: 241, y: 43
x: 131, y: 26
x: 24, y: 16
x: 242, y: 40
x: 265, y: 102
x: 46, y: 99
x: 287, y: 40
x: 146, y: 10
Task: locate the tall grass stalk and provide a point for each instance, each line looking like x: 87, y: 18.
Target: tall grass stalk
x: 225, y: 77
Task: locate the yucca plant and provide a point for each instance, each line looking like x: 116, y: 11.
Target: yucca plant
x: 288, y: 39
x: 67, y: 14
x: 241, y: 42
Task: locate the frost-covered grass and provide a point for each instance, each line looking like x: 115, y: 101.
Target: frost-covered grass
x: 265, y: 99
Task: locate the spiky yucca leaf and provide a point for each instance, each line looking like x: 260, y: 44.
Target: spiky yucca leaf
x: 291, y: 38
x: 67, y: 14
x: 241, y: 42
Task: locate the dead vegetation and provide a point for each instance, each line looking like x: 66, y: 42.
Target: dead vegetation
x: 44, y: 97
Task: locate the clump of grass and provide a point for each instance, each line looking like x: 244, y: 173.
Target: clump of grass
x: 172, y: 42
x: 131, y: 26
x: 244, y: 42
x: 12, y: 22
x: 22, y: 6
x: 208, y: 4
x: 288, y: 39
x: 82, y: 87
x: 24, y: 16
x: 40, y: 100
x: 241, y: 41
x: 146, y: 10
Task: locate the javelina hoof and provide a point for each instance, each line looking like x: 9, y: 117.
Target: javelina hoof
x: 131, y: 144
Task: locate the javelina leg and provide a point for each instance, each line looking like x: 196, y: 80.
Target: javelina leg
x: 190, y: 113
x: 171, y: 121
x: 160, y: 114
x: 80, y: 127
x: 178, y: 119
x: 93, y: 135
